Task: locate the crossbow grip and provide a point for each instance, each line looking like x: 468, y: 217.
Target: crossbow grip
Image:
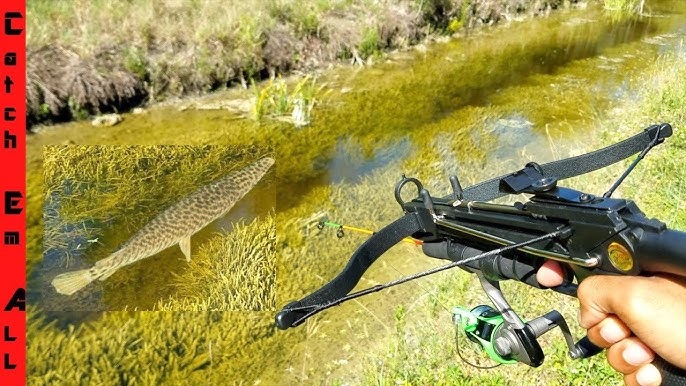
x: 671, y: 375
x: 496, y: 267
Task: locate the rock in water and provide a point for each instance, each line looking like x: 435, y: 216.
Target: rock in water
x: 106, y: 120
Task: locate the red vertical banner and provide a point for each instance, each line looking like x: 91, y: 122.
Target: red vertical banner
x: 13, y: 192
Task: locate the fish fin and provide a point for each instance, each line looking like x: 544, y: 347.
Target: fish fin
x: 185, y: 245
x: 70, y: 282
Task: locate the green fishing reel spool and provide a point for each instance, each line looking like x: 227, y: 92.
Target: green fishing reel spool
x: 480, y: 324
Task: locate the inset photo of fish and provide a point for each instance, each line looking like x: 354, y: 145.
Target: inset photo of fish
x: 167, y: 228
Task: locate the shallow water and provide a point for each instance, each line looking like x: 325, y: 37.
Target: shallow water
x: 492, y: 101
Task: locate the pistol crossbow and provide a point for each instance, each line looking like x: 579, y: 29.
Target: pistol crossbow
x: 591, y: 235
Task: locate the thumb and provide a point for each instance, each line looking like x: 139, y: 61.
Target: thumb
x: 599, y: 297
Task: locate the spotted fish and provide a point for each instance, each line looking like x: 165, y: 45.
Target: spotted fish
x: 175, y: 225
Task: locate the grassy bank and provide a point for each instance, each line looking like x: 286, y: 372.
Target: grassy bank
x: 90, y: 57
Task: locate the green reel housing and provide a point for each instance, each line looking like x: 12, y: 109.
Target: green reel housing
x: 480, y: 324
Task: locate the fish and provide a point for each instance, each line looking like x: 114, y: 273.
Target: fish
x: 175, y: 225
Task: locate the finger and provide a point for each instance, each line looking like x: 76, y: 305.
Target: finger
x: 628, y: 355
x: 608, y: 332
x: 597, y: 298
x: 550, y: 274
x: 647, y: 375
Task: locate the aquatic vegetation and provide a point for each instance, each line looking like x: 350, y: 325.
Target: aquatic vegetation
x: 173, y: 226
x: 112, y: 57
x: 274, y: 100
x: 628, y: 6
x: 211, y: 347
x: 134, y: 348
x: 234, y: 271
x: 94, y: 181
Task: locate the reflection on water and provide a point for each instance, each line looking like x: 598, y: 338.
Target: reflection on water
x: 350, y: 162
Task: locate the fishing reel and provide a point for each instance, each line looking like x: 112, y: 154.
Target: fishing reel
x: 505, y: 338
x: 479, y: 325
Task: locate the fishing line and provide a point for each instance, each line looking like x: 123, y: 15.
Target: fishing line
x: 340, y: 234
x: 340, y: 231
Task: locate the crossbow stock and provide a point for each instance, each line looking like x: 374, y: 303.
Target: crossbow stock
x: 591, y: 235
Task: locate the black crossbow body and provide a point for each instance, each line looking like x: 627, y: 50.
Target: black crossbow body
x: 592, y: 235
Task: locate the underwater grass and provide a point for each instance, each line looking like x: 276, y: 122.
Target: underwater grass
x: 96, y: 197
x: 628, y: 6
x: 136, y: 348
x: 131, y: 349
x: 235, y: 271
x: 92, y: 57
x: 418, y: 350
x: 390, y: 101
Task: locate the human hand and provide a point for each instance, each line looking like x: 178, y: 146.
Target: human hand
x: 634, y: 317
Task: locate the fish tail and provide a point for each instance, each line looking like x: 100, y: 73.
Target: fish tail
x: 70, y: 282
x: 106, y: 272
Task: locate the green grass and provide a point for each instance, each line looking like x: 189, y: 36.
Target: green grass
x: 86, y: 58
x: 274, y: 99
x: 626, y: 6
x: 216, y: 348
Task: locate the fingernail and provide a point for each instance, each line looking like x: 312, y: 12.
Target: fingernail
x: 636, y: 355
x: 611, y: 333
x: 648, y: 376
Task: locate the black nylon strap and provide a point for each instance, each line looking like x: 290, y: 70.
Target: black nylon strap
x: 575, y: 166
x: 341, y: 285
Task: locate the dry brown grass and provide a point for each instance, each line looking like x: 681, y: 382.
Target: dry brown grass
x: 62, y: 83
